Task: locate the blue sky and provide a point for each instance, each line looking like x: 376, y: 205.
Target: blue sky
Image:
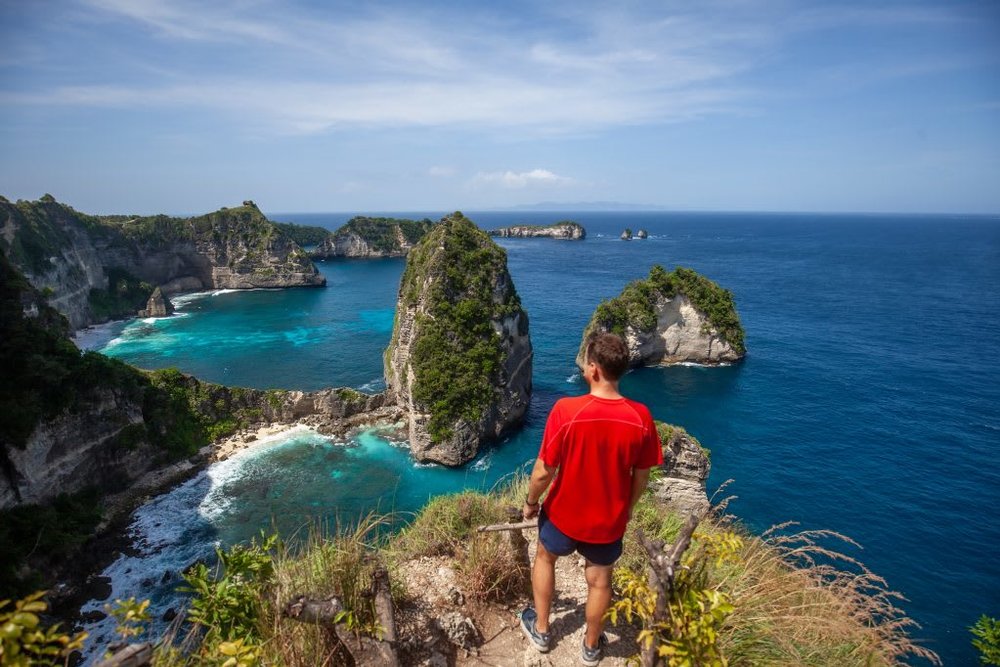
x: 184, y: 106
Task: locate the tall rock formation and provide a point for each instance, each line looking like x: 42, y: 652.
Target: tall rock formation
x: 97, y: 268
x: 564, y: 230
x: 670, y: 318
x: 685, y: 466
x: 157, y: 306
x: 364, y: 237
x: 459, y: 362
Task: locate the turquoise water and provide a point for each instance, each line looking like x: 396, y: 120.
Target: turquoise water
x: 867, y: 404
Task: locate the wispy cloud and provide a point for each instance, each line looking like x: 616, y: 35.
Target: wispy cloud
x: 521, y: 179
x: 302, y: 70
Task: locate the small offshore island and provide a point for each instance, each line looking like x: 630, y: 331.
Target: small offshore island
x: 566, y: 230
x: 83, y: 435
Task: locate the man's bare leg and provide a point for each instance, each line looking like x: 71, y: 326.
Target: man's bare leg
x: 598, y: 600
x: 543, y: 585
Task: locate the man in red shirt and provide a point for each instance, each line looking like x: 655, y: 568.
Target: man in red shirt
x: 598, y: 449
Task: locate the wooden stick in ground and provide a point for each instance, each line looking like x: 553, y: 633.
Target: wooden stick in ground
x: 663, y: 564
x: 386, y: 617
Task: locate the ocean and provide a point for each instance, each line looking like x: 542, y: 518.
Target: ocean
x: 869, y: 402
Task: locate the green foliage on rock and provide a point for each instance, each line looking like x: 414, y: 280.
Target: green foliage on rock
x: 125, y: 295
x: 303, y: 234
x: 47, y: 533
x: 636, y: 306
x: 41, y: 232
x: 383, y: 234
x: 456, y: 356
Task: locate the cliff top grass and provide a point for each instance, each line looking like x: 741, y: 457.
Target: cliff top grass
x: 784, y: 599
x: 636, y: 305
x: 461, y: 275
x: 382, y: 234
x: 304, y: 235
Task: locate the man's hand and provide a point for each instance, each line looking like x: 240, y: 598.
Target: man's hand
x: 530, y: 511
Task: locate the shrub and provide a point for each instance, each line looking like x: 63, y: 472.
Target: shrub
x: 987, y: 639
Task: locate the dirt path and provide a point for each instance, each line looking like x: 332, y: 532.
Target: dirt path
x: 433, y: 583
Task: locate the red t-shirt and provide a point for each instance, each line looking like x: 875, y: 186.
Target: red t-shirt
x: 595, y: 443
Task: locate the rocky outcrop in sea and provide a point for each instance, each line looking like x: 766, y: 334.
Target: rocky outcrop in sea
x: 565, y: 230
x: 459, y: 362
x: 368, y: 238
x: 157, y: 306
x: 670, y: 318
x: 685, y: 466
x: 97, y: 268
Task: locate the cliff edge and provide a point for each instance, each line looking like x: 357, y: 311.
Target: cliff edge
x: 459, y: 361
x: 670, y: 318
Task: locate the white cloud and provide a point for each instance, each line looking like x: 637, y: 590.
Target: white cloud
x: 523, y: 179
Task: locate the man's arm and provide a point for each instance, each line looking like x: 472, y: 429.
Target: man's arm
x: 541, y: 477
x: 640, y: 478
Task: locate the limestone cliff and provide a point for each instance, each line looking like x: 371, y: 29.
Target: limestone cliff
x: 459, y: 362
x: 70, y: 421
x: 94, y: 269
x: 364, y: 237
x: 670, y: 318
x: 565, y: 229
x: 685, y: 469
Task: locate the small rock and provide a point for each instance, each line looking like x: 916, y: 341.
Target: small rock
x: 459, y: 629
x: 93, y: 616
x: 167, y: 576
x: 455, y: 596
x: 436, y: 660
x: 170, y: 614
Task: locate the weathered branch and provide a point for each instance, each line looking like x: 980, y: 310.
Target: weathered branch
x: 352, y: 649
x: 664, y: 560
x: 532, y: 523
x: 133, y: 655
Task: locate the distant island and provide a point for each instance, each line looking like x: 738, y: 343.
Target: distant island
x: 368, y: 238
x: 564, y: 229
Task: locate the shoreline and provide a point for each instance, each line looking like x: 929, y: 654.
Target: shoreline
x: 75, y: 587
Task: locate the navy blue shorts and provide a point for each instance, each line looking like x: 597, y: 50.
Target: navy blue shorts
x: 561, y: 544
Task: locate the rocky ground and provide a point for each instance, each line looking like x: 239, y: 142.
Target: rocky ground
x: 440, y: 626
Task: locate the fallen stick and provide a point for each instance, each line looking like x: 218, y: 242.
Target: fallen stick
x: 533, y: 523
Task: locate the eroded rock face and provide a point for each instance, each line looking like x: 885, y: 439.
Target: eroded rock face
x: 682, y: 334
x: 686, y: 467
x: 459, y: 362
x: 561, y: 230
x: 663, y: 325
x: 67, y: 254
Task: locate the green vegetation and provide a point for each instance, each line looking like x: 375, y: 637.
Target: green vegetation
x: 47, y: 534
x: 125, y: 295
x: 740, y: 600
x: 456, y: 356
x: 987, y: 639
x: 382, y: 234
x: 23, y: 640
x: 304, y: 235
x: 43, y: 231
x: 635, y: 306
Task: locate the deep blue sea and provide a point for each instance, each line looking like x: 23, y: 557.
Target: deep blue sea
x: 869, y: 403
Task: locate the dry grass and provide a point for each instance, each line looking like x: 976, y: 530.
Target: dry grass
x: 799, y: 601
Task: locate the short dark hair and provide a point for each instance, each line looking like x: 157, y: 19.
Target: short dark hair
x: 608, y: 351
